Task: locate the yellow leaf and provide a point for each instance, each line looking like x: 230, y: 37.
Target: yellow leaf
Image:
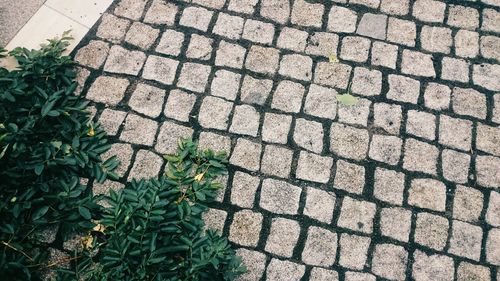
x: 333, y: 59
x: 87, y: 241
x: 99, y: 228
x: 199, y: 177
x: 91, y: 131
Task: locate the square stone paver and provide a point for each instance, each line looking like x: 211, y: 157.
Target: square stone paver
x: 357, y: 215
x: 389, y: 261
x: 276, y: 127
x: 428, y: 194
x: 320, y: 247
x: 107, y: 89
x: 279, y: 197
x: 313, y: 167
x: 319, y: 204
x: 245, y: 120
x: 353, y: 251
x: 139, y: 130
x: 349, y: 177
x: 389, y: 186
x: 466, y: 240
x: 121, y: 60
x: 431, y: 231
x: 147, y: 100
x: 160, y: 69
x: 246, y: 154
x: 276, y: 161
x: 245, y: 228
x: 395, y: 223
x: 349, y: 142
x: 282, y: 237
x: 214, y: 113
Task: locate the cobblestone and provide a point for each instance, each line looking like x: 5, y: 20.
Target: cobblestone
x: 283, y: 237
x: 108, y: 90
x: 160, y: 69
x: 147, y: 100
x: 121, y: 60
x: 353, y: 251
x: 321, y: 102
x: 308, y: 135
x: 277, y: 161
x: 170, y: 43
x: 243, y: 189
x: 466, y: 240
x: 401, y: 32
x: 288, y: 96
x: 93, y: 54
x: 246, y: 154
x: 389, y: 261
x: 320, y: 247
x: 141, y: 35
x: 161, y: 12
x: 395, y: 223
x: 146, y: 165
x: 355, y: 48
x: 112, y: 28
x: 245, y: 120
x: 389, y: 186
x: 428, y: 267
x: 349, y: 177
x: 279, y: 197
x: 276, y: 127
x: 179, y: 105
x: 313, y: 167
x: 431, y: 231
x: 357, y: 215
x: 349, y: 142
x: 319, y: 204
x: 245, y: 229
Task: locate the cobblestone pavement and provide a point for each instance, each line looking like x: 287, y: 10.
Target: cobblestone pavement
x: 402, y: 186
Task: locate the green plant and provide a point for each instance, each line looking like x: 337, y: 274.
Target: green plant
x: 154, y: 229
x: 47, y: 143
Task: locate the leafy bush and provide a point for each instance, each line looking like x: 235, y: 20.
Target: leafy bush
x: 153, y: 229
x: 47, y: 143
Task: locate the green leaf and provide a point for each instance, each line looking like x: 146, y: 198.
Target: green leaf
x: 39, y: 169
x: 40, y: 212
x: 84, y: 212
x: 347, y: 99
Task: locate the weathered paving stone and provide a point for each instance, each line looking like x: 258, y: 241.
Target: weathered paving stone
x: 469, y: 102
x: 108, y: 90
x: 469, y: 271
x: 404, y: 89
x: 487, y: 76
x: 436, y: 39
x: 496, y: 109
x: 420, y: 156
x: 342, y: 19
x: 432, y: 267
x: 353, y: 251
x: 427, y: 193
x: 455, y: 132
x: 200, y: 47
x: 488, y: 138
x: 492, y: 251
x: 389, y: 261
x: 282, y: 237
x: 493, y: 212
x: 395, y: 7
x: 141, y: 35
x: 179, y: 105
x: 307, y: 14
x: 279, y: 197
x: 160, y: 69
x: 262, y: 59
x: 455, y: 165
x: 321, y: 274
x: 243, y: 189
x: 313, y: 167
x: 214, y: 219
x: 349, y: 177
x: 334, y: 75
x: 255, y: 263
x: 395, y: 223
x: 467, y: 204
x: 121, y: 60
x: 487, y: 171
x: 401, y: 32
x: 139, y: 130
x: 276, y: 127
x: 111, y: 120
x: 429, y: 10
x: 321, y: 102
x: 387, y: 117
x: 161, y: 12
x: 466, y: 43
x: 437, y: 96
x: 489, y: 47
x: 93, y: 54
x: 322, y: 44
x: 123, y: 153
x: 359, y: 276
x: 82, y: 74
x: 146, y: 165
x: 465, y: 240
x: 246, y: 154
x: 112, y: 28
x: 355, y: 48
x: 230, y: 55
x: 308, y: 135
x: 369, y: 3
x: 245, y: 120
x: 348, y: 141
x: 319, y: 204
x: 245, y: 228
x: 147, y: 100
x: 196, y: 17
x: 372, y: 25
x: 292, y: 39
x: 384, y: 54
x: 288, y: 96
x: 366, y: 82
x: 455, y: 70
x: 225, y: 84
x: 320, y: 247
x: 421, y: 124
x: 490, y: 20
x: 170, y: 42
x: 431, y: 231
x: 258, y: 31
x: 276, y: 161
x: 170, y: 133
x: 296, y: 66
x: 385, y: 149
x: 130, y: 9
x: 278, y: 268
x: 356, y: 114
x: 254, y: 90
x: 242, y: 6
x: 275, y: 10
x: 463, y: 17
x: 228, y: 26
x: 357, y: 215
x: 389, y: 186
x: 418, y: 64
x: 214, y: 113
x: 194, y: 77
x: 215, y: 4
